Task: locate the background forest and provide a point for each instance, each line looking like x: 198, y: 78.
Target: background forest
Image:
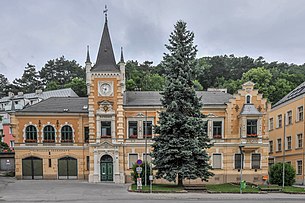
x: 273, y: 79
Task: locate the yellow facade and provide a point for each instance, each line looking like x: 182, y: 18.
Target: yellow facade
x: 287, y: 142
x: 117, y: 122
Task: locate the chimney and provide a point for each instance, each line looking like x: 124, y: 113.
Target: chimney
x: 10, y: 94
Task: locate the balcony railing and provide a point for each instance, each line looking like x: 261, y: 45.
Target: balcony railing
x: 67, y: 141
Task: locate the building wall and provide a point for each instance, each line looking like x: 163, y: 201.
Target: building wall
x: 297, y: 127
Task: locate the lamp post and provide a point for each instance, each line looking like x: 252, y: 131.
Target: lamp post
x: 145, y: 163
x: 241, y: 166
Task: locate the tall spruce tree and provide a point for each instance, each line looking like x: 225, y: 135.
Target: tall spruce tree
x: 180, y: 149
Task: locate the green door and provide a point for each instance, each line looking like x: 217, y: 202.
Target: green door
x: 106, y: 168
x: 32, y: 168
x: 67, y: 168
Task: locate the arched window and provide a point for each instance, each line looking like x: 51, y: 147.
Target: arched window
x: 30, y: 134
x: 66, y: 134
x: 48, y: 134
x: 248, y: 99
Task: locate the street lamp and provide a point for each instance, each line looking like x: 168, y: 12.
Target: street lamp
x: 241, y: 166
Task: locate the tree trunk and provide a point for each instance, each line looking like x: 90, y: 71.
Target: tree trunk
x: 180, y: 180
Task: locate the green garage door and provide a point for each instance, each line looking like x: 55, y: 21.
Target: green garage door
x: 32, y: 168
x: 67, y: 168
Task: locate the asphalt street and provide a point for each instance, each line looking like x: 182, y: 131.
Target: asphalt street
x: 12, y: 190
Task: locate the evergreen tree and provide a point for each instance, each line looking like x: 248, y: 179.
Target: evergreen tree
x: 3, y: 85
x: 29, y: 81
x: 60, y: 71
x: 180, y: 148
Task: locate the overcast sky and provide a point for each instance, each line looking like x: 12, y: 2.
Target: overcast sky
x: 35, y: 31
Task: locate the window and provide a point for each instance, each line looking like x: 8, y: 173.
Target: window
x: 86, y: 131
x: 279, y: 121
x: 256, y: 161
x: 289, y: 117
x: 279, y: 145
x: 238, y: 161
x: 288, y: 142
x: 148, y: 158
x: 12, y: 143
x: 248, y: 99
x: 217, y: 162
x: 300, y: 113
x: 50, y: 163
x: 30, y: 134
x: 133, y: 129
x: 88, y: 163
x: 217, y: 129
x: 271, y: 124
x: 205, y: 127
x: 270, y: 146
x: 300, y: 140
x: 106, y: 128
x: 66, y: 134
x: 149, y: 128
x: 299, y: 167
x: 48, y: 134
x: 132, y: 159
x: 251, y: 127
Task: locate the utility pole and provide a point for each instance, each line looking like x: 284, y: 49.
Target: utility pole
x: 284, y: 148
x: 145, y: 163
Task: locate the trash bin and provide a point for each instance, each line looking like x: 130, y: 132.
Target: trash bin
x: 243, y: 184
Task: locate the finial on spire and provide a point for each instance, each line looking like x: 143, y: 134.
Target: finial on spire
x: 105, y: 11
x: 122, y: 57
x: 88, y: 55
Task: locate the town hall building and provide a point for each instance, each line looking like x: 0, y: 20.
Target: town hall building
x: 98, y: 138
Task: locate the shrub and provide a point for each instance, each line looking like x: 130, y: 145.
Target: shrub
x: 276, y: 174
x: 135, y: 175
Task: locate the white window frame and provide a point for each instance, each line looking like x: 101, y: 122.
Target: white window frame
x: 277, y: 144
x: 297, y: 168
x: 277, y: 121
x: 297, y: 141
x: 286, y: 142
x: 221, y: 160
x: 287, y: 118
x: 271, y: 125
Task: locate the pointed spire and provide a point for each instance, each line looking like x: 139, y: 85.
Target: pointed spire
x: 88, y: 55
x: 105, y: 60
x: 122, y: 57
x: 105, y: 11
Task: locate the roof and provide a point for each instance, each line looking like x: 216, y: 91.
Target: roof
x: 153, y: 98
x: 60, y: 105
x: 299, y: 90
x: 68, y: 92
x: 105, y: 60
x: 249, y: 109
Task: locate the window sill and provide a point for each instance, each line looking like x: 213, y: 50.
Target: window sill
x: 278, y: 151
x: 106, y: 136
x: 298, y: 148
x: 288, y: 150
x: 299, y: 121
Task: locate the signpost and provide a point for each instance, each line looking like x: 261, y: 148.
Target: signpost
x: 139, y: 171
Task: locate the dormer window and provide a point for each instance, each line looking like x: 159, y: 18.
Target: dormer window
x: 248, y: 99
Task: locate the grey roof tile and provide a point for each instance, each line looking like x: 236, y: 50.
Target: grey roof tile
x: 152, y: 98
x: 60, y: 105
x: 105, y: 60
x: 299, y: 90
x: 249, y: 109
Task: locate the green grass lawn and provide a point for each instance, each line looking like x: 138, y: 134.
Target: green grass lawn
x: 291, y: 189
x: 159, y: 187
x: 230, y: 188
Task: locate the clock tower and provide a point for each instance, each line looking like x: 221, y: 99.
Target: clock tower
x: 105, y: 85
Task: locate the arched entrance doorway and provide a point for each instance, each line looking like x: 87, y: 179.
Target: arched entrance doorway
x: 32, y: 168
x: 67, y: 168
x: 106, y: 168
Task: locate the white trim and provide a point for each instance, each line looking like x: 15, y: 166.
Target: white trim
x: 73, y: 131
x: 42, y: 134
x: 25, y: 126
x: 246, y: 96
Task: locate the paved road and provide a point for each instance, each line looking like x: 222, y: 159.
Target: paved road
x: 79, y: 191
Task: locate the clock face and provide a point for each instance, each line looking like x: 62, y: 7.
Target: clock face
x: 105, y: 89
